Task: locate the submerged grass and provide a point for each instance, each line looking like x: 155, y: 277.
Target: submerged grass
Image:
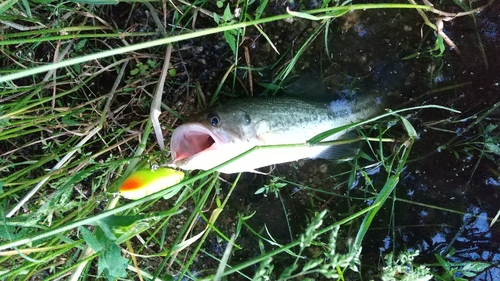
x: 75, y: 122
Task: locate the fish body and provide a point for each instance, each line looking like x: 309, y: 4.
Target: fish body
x: 213, y: 136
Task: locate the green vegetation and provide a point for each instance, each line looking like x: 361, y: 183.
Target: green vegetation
x: 82, y: 87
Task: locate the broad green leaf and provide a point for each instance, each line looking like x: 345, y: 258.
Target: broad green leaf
x: 409, y: 128
x: 216, y: 18
x: 476, y: 266
x: 112, y: 263
x: 227, y: 16
x: 90, y: 238
x: 231, y: 41
x: 106, y: 231
x: 118, y: 221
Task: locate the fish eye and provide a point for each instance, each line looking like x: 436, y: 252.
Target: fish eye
x: 247, y: 119
x: 214, y: 120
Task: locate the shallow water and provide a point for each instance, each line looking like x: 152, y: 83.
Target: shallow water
x: 448, y: 192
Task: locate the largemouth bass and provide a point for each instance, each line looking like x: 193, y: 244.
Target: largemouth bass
x: 213, y: 136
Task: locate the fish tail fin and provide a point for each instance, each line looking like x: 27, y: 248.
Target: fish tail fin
x: 347, y: 146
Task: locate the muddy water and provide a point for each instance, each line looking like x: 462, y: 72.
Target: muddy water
x: 448, y: 192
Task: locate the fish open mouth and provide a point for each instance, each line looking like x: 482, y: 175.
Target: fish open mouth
x: 191, y: 139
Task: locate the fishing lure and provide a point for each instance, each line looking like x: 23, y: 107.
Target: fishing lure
x: 142, y: 183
